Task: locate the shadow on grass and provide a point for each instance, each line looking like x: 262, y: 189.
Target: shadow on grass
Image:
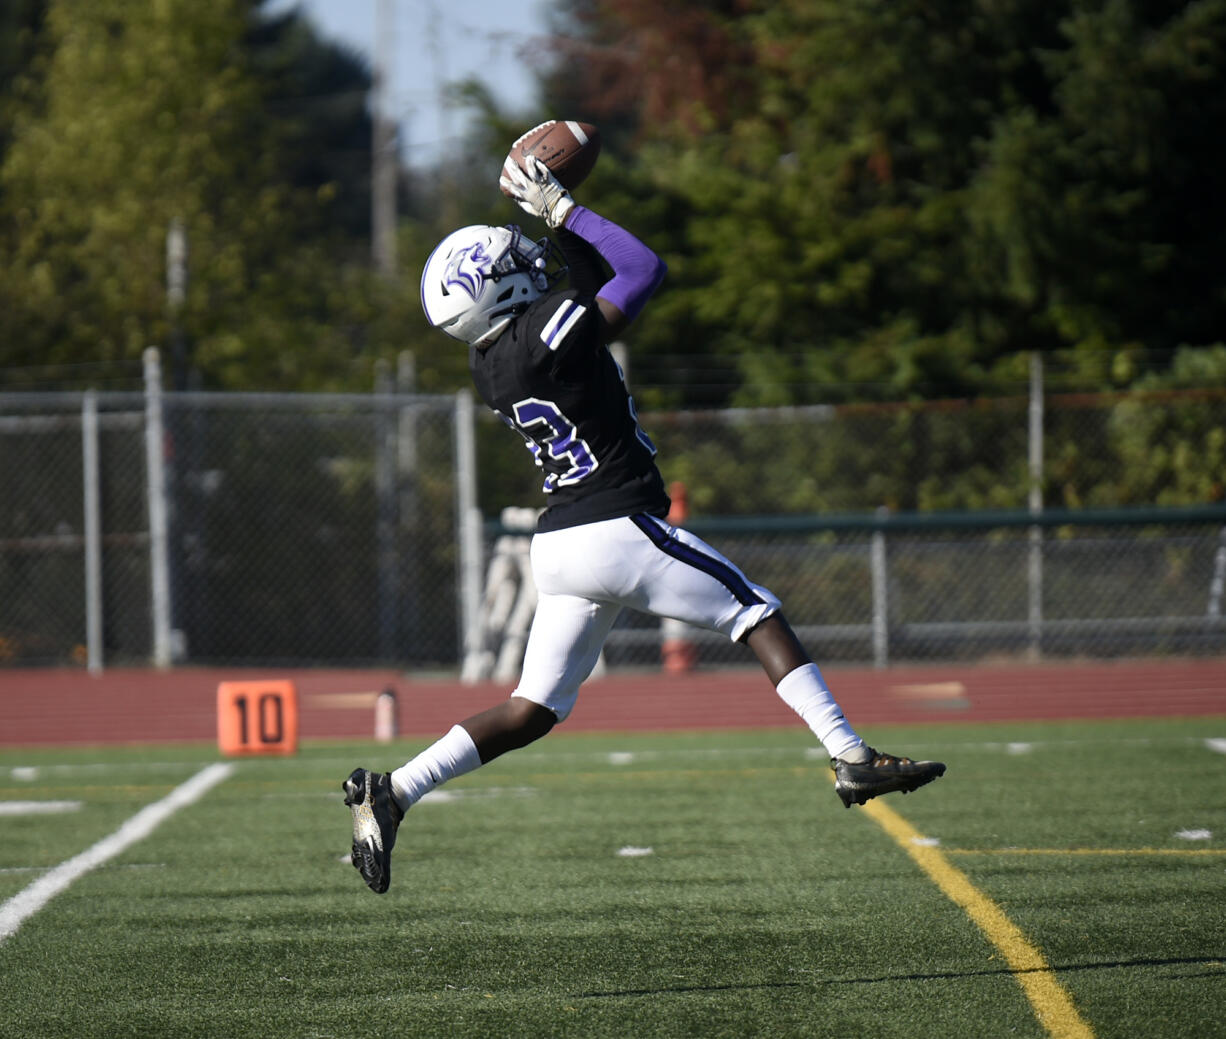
x: 685, y: 988
x: 1216, y: 967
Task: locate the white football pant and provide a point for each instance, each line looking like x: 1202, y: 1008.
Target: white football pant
x: 584, y: 577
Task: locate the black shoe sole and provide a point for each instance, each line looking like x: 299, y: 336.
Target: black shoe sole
x: 368, y: 862
x: 374, y: 865
x: 862, y: 792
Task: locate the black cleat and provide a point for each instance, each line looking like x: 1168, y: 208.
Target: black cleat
x: 881, y: 774
x: 376, y: 817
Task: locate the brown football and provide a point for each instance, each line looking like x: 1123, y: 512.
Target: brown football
x: 569, y: 148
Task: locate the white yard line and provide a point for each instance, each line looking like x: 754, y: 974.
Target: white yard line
x: 16, y: 910
x: 38, y: 807
x: 30, y: 773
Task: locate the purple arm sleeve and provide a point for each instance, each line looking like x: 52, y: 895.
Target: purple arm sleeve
x: 637, y: 271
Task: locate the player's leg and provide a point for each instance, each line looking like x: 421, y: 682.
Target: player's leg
x: 694, y: 582
x: 509, y: 725
x: 379, y: 801
x: 684, y: 577
x: 799, y: 683
x: 568, y: 633
x: 563, y: 647
x: 663, y: 570
x: 468, y: 745
x: 861, y: 772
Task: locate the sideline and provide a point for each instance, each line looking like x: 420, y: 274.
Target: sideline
x: 1182, y: 853
x: 1052, y: 1004
x: 27, y: 902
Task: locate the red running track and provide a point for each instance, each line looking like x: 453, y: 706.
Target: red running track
x: 71, y: 707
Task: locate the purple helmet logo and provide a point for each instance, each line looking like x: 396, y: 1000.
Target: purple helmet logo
x: 468, y: 268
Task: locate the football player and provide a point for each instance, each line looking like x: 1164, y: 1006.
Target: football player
x: 539, y: 358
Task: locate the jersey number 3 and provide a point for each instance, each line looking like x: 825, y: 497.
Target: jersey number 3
x: 548, y: 431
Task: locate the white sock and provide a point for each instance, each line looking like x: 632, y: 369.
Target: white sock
x: 804, y: 690
x: 448, y: 757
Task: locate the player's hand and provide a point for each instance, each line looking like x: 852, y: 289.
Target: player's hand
x: 536, y: 190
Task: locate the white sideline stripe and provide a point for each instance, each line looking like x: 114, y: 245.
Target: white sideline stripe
x: 671, y: 754
x: 450, y: 796
x: 38, y: 807
x: 29, y: 773
x: 44, y: 869
x: 1218, y: 745
x: 31, y: 899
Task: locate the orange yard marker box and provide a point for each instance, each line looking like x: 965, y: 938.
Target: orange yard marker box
x: 257, y: 717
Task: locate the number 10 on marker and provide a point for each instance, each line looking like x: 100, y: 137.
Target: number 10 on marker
x: 257, y: 717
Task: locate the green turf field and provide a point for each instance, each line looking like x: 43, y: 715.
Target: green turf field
x: 648, y: 885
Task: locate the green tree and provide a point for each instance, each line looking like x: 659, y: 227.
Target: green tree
x: 152, y: 114
x: 20, y: 31
x: 1100, y: 210
x: 896, y: 198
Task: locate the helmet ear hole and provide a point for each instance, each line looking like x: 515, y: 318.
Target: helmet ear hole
x: 504, y: 296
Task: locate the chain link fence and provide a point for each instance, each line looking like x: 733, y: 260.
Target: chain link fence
x: 261, y: 529
x: 43, y: 566
x: 934, y: 587
x: 230, y: 529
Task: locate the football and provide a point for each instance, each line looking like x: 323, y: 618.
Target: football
x: 569, y: 148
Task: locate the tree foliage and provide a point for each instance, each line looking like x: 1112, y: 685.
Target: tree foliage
x: 149, y: 115
x: 856, y: 200
x: 890, y: 198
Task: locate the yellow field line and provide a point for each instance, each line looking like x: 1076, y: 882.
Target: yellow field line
x: 1052, y: 1004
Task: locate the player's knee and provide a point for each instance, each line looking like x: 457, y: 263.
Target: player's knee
x: 531, y: 721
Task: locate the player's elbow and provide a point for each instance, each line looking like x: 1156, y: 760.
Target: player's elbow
x: 661, y: 269
x: 651, y: 278
x: 623, y: 298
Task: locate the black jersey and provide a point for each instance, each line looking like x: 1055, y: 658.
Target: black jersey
x: 550, y: 376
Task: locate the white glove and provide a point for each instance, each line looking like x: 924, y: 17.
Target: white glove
x: 536, y: 190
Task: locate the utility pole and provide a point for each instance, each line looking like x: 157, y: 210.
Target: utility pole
x: 383, y: 148
x: 176, y: 296
x: 1034, y: 565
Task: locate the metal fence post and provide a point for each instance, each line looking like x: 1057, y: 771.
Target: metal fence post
x: 159, y: 546
x: 468, y: 523
x: 881, y: 581
x: 408, y: 505
x: 388, y: 563
x: 1218, y: 582
x: 93, y: 532
x: 1034, y: 567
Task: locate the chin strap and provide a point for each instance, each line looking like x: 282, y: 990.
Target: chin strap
x: 496, y: 329
x: 515, y: 309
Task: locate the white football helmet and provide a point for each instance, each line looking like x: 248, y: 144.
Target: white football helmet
x: 478, y: 278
